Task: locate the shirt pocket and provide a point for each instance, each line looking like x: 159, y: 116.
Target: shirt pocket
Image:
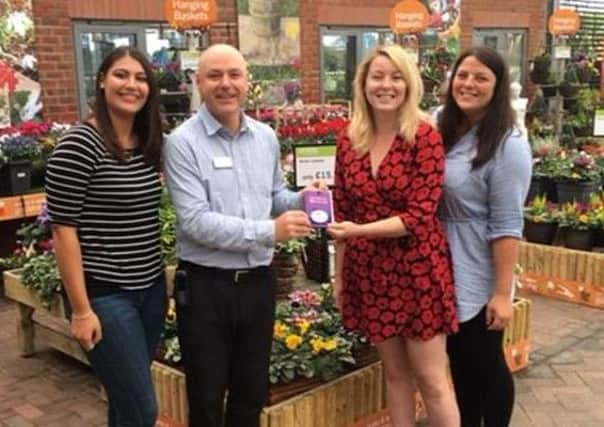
x: 457, y: 172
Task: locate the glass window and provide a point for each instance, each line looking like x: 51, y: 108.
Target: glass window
x: 341, y: 50
x: 510, y: 43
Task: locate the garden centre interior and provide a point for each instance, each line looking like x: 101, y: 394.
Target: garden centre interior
x: 301, y: 59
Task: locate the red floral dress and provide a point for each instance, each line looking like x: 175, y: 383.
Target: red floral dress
x: 396, y: 286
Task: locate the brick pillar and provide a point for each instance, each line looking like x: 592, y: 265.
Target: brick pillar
x: 225, y: 30
x: 53, y: 47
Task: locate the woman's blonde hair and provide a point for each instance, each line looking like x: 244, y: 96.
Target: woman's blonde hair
x: 361, y: 130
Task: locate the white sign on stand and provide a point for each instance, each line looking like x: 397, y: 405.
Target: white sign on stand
x: 562, y: 52
x: 599, y: 123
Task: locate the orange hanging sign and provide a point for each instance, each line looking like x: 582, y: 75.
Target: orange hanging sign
x: 564, y: 22
x: 409, y: 16
x: 190, y: 14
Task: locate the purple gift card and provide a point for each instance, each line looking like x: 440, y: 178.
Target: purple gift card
x: 318, y: 207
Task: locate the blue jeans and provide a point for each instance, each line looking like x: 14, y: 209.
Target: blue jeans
x: 131, y: 324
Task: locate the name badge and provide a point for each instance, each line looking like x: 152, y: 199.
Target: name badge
x: 222, y: 163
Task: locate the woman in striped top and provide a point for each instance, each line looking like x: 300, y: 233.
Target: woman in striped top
x: 103, y: 190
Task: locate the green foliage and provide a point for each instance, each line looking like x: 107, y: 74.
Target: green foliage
x: 17, y: 101
x: 272, y: 72
x: 167, y: 221
x: 292, y: 246
x: 570, y: 73
x: 41, y: 275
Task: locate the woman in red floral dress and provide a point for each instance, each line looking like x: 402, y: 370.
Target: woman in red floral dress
x: 393, y: 269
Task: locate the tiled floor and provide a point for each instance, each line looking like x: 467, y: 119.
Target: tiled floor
x: 564, y: 385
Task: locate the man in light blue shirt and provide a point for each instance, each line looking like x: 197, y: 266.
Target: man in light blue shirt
x: 223, y: 175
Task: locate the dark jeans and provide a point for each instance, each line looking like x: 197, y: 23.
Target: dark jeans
x: 483, y: 383
x: 131, y: 322
x: 226, y: 334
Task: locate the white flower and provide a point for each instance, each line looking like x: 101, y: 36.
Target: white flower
x: 19, y: 23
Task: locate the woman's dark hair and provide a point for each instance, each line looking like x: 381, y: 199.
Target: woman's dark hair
x: 499, y: 118
x: 147, y: 122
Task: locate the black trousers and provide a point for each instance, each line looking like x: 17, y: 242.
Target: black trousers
x: 483, y: 382
x: 225, y: 328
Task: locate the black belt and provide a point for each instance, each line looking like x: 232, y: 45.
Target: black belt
x: 228, y: 275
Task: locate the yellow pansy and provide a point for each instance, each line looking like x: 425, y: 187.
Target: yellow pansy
x: 331, y: 344
x: 303, y: 325
x: 583, y: 218
x: 317, y: 345
x: 293, y: 341
x: 280, y: 330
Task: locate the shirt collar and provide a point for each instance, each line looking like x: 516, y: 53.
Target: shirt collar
x: 213, y: 126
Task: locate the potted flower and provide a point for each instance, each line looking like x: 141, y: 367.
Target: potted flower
x: 18, y: 152
x: 33, y: 238
x: 540, y: 221
x: 309, y: 340
x: 587, y: 72
x: 577, y: 224
x: 548, y: 160
x: 578, y: 178
x: 596, y: 211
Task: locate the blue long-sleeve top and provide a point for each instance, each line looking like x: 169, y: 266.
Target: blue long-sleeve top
x: 479, y: 206
x: 225, y: 189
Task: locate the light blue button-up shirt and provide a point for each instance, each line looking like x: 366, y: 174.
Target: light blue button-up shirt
x: 225, y: 189
x: 479, y: 206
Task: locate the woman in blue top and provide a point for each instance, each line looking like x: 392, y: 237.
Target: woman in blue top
x: 487, y: 174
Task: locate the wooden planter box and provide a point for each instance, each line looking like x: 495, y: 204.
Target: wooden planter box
x: 338, y: 403
x: 516, y: 336
x: 562, y: 273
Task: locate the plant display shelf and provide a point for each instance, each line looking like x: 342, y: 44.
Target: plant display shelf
x: 562, y: 273
x: 21, y: 206
x: 52, y: 327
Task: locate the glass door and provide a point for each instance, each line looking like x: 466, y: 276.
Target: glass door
x: 92, y: 43
x: 510, y: 43
x: 341, y: 50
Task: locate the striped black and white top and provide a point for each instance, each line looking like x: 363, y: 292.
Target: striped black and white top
x: 115, y: 207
